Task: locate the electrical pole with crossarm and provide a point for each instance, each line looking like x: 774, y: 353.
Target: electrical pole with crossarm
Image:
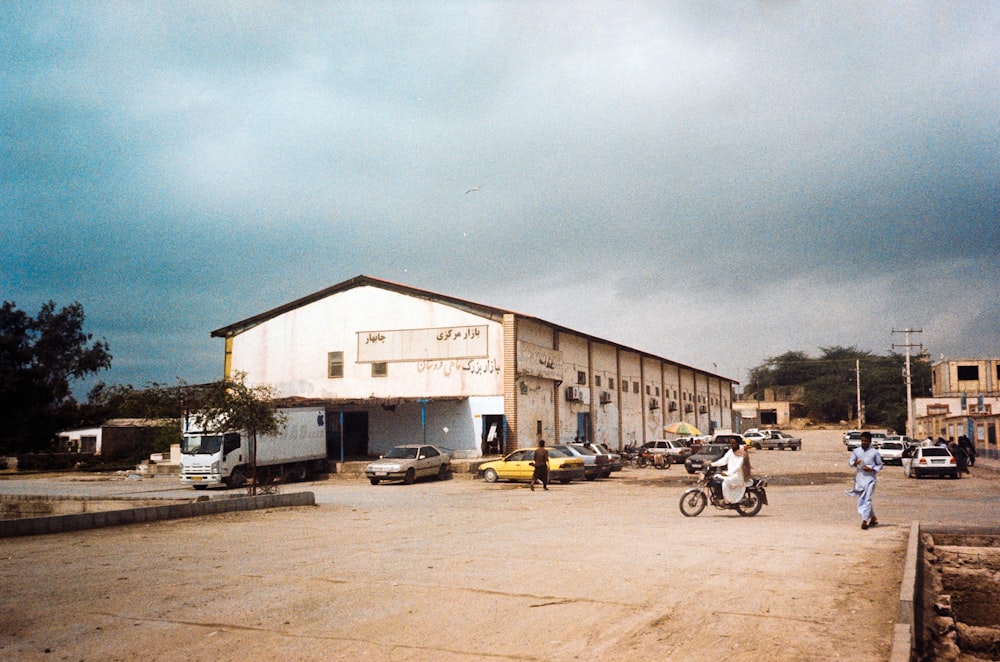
x: 908, y: 376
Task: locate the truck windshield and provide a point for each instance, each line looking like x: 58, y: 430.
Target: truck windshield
x: 208, y: 444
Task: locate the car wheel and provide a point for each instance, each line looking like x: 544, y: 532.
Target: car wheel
x: 756, y: 446
x: 374, y: 481
x: 690, y: 470
x: 490, y: 476
x: 410, y: 476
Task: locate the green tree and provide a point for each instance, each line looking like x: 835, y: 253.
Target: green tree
x: 231, y: 404
x: 830, y: 383
x: 39, y: 358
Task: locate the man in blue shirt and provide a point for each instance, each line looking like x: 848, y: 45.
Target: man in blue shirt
x: 868, y: 463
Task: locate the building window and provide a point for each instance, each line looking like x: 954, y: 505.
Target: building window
x: 335, y: 365
x: 597, y: 380
x: 968, y: 373
x: 624, y: 386
x: 635, y: 387
x: 647, y: 390
x: 611, y: 383
x: 380, y: 369
x: 581, y: 377
x: 657, y: 391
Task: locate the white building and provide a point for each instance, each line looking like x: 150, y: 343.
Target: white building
x: 965, y: 400
x: 394, y: 364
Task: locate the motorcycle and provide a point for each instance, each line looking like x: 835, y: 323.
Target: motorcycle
x: 709, y: 491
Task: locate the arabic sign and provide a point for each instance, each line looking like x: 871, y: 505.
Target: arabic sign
x: 440, y: 344
x: 539, y: 361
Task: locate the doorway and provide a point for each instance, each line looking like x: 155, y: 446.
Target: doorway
x: 355, y: 434
x: 493, y: 434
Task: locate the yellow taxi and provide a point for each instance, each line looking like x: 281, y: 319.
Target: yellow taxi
x: 563, y: 467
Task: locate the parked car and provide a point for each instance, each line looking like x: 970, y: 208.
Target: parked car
x: 777, y: 440
x: 409, y: 462
x: 596, y: 465
x: 852, y: 439
x: 752, y: 437
x: 518, y: 466
x: 892, y: 452
x: 930, y: 461
x: 707, y: 454
x: 675, y: 449
x: 614, y: 459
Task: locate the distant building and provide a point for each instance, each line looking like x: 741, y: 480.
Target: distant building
x: 965, y: 399
x: 393, y: 364
x: 777, y: 408
x: 117, y: 437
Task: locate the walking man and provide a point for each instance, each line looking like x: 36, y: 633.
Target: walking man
x: 868, y: 463
x: 541, y: 462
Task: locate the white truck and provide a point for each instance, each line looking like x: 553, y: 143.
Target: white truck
x: 210, y: 458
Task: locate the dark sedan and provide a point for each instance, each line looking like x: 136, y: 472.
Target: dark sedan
x: 703, y: 457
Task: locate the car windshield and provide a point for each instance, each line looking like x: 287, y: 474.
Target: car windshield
x: 892, y: 445
x: 556, y: 451
x: 714, y: 449
x: 401, y: 453
x: 584, y: 450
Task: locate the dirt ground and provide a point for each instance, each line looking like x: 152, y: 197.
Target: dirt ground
x: 463, y: 570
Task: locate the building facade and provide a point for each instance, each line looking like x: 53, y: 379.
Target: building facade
x: 394, y: 364
x: 965, y: 400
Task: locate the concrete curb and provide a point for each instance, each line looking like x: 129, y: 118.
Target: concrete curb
x: 80, y: 521
x: 907, y: 614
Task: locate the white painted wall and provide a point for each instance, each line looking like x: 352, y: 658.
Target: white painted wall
x: 289, y: 352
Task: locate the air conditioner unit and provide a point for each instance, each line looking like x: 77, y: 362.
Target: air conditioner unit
x: 654, y: 403
x: 688, y: 407
x: 672, y: 406
x: 703, y: 409
x: 573, y: 393
x: 605, y: 397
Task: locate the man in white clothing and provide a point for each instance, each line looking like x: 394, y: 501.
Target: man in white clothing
x: 733, y: 480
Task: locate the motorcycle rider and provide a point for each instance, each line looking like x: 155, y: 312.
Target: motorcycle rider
x: 733, y: 480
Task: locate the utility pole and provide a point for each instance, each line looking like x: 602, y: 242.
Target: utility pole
x: 908, y: 376
x: 857, y: 377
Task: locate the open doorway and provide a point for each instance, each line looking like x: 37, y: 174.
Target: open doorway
x: 355, y: 435
x: 493, y: 434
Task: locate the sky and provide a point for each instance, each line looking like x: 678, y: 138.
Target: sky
x: 716, y: 183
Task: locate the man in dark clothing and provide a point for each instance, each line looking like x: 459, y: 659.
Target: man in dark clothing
x: 541, y: 462
x: 970, y: 450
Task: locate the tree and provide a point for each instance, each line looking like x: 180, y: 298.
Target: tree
x: 830, y: 383
x: 231, y: 404
x: 39, y: 357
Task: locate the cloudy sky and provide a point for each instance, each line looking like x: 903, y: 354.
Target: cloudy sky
x: 713, y: 182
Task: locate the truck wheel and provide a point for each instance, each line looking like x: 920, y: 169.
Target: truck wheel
x: 237, y: 478
x: 297, y: 473
x: 410, y: 476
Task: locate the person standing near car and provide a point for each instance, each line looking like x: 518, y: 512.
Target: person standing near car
x: 868, y: 463
x: 541, y: 464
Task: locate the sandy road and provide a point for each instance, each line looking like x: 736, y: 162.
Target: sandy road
x: 462, y: 570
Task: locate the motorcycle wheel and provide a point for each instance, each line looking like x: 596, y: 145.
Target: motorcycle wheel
x: 750, y: 505
x: 693, y: 502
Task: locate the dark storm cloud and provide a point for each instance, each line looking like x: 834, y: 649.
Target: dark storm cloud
x: 822, y: 173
